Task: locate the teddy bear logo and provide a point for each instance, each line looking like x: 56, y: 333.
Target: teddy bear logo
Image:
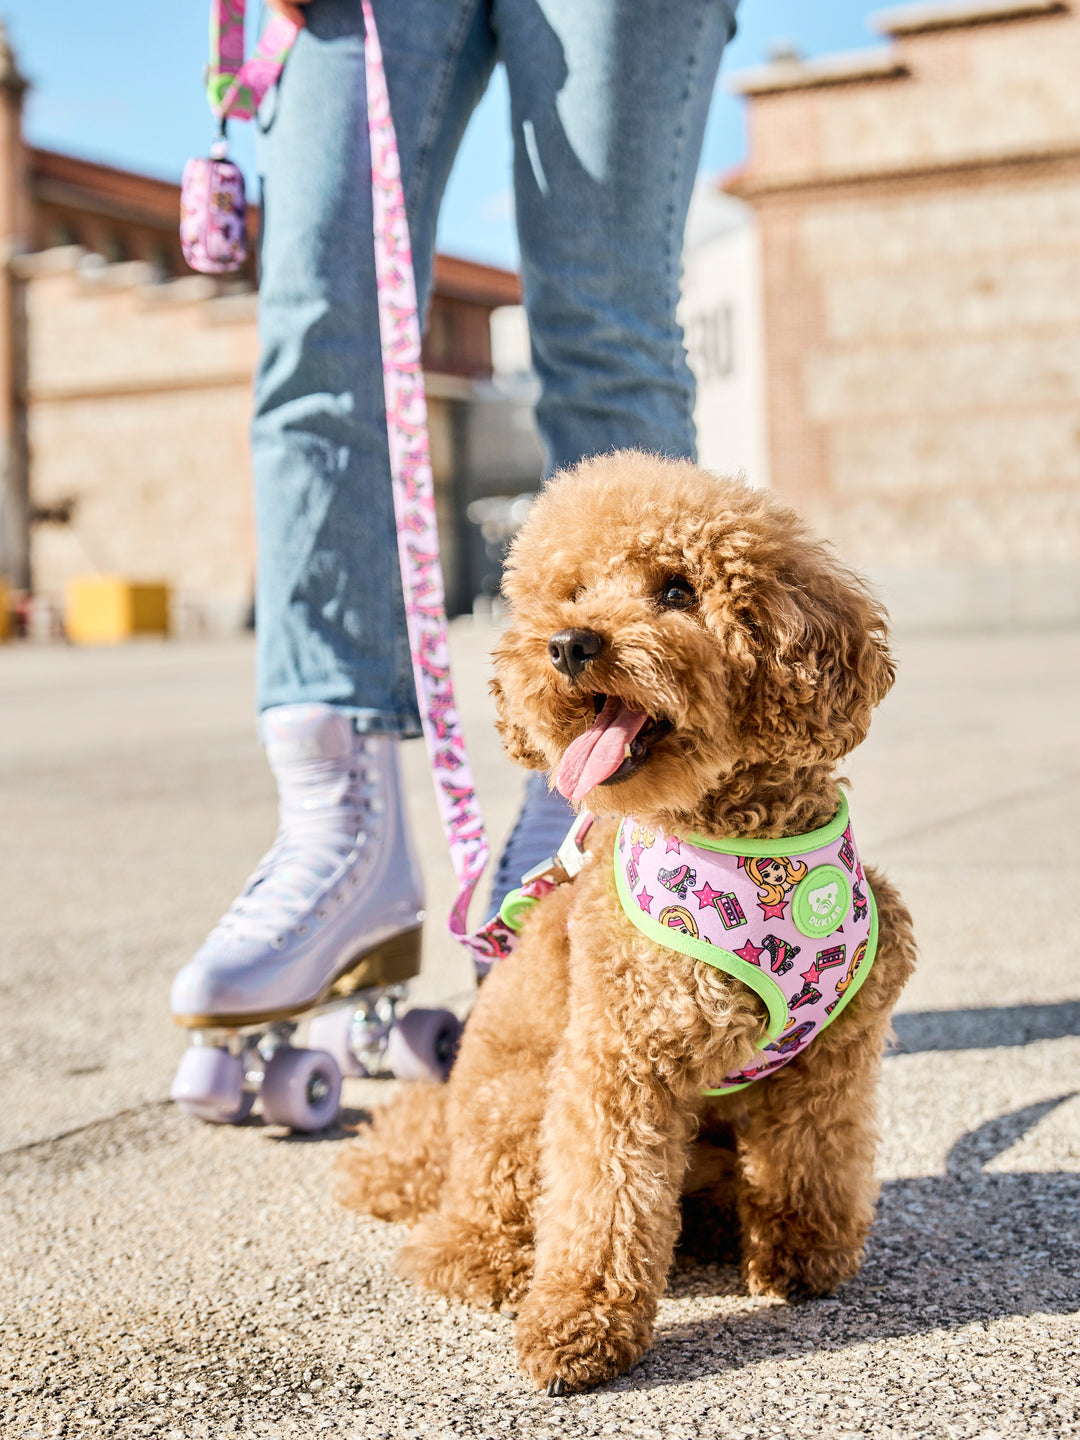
x: 823, y: 899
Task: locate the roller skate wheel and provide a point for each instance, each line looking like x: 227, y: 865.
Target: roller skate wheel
x: 331, y: 1031
x: 209, y: 1086
x: 301, y: 1089
x: 423, y: 1044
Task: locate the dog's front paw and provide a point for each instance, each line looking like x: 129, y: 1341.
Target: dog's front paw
x: 774, y: 1269
x: 476, y: 1263
x: 568, y: 1339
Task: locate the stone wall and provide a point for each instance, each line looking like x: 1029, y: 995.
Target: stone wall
x: 920, y: 231
x: 138, y: 403
x: 721, y: 318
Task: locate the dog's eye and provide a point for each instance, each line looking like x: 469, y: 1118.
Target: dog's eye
x: 676, y: 594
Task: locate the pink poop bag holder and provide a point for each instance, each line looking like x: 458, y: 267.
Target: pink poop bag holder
x: 213, y: 213
x: 213, y: 208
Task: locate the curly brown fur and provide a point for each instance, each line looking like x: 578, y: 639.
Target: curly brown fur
x: 397, y: 1172
x: 569, y: 1120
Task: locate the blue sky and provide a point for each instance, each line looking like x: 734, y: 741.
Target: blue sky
x: 120, y: 81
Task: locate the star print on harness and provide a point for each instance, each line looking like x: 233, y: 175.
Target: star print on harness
x: 792, y: 918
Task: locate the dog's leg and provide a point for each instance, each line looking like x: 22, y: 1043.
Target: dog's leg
x: 808, y: 1193
x: 478, y: 1246
x: 806, y: 1202
x: 614, y: 1146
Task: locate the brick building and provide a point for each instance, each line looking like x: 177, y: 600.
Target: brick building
x: 125, y: 390
x: 918, y: 209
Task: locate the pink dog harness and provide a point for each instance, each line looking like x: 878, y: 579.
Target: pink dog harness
x: 792, y: 918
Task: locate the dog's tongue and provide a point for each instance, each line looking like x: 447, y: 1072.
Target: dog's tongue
x: 599, y: 752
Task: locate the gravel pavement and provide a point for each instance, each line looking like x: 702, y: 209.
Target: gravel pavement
x: 163, y: 1278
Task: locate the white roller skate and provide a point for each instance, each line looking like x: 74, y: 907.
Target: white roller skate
x: 326, y: 933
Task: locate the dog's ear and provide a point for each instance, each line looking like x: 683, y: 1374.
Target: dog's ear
x: 819, y: 639
x: 515, y: 740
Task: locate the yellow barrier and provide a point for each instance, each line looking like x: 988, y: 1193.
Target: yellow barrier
x: 5, y: 612
x: 106, y: 609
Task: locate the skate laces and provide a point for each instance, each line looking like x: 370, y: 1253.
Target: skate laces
x: 326, y: 815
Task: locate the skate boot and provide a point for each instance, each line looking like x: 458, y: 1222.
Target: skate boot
x: 327, y: 930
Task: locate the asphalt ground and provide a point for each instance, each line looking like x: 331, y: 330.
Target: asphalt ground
x: 163, y: 1278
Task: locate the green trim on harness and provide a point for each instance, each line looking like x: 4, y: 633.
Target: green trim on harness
x: 786, y: 844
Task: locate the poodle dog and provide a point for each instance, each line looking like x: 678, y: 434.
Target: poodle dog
x: 690, y: 665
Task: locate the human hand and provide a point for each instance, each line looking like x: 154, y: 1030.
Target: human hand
x: 290, y: 9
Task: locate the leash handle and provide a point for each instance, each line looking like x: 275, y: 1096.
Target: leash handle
x: 235, y: 87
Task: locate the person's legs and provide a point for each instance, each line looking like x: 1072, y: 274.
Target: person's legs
x: 540, y: 829
x: 608, y: 101
x: 340, y: 886
x: 329, y: 610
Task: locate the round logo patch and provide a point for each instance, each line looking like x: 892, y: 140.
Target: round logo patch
x: 821, y: 901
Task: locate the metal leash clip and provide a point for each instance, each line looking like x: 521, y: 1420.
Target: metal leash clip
x: 557, y: 869
x: 568, y: 859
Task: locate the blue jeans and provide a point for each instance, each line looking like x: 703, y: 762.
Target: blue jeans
x: 608, y: 106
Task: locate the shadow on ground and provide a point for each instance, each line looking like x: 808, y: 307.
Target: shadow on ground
x: 947, y: 1251
x: 985, y: 1029
x: 348, y: 1122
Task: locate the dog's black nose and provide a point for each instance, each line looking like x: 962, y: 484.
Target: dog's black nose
x: 571, y: 650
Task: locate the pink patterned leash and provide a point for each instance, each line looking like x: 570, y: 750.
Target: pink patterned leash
x: 414, y: 504
x: 418, y: 550
x: 235, y: 89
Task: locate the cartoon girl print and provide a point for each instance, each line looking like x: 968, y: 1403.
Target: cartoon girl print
x: 676, y: 917
x: 846, y: 979
x: 775, y: 876
x: 640, y: 841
